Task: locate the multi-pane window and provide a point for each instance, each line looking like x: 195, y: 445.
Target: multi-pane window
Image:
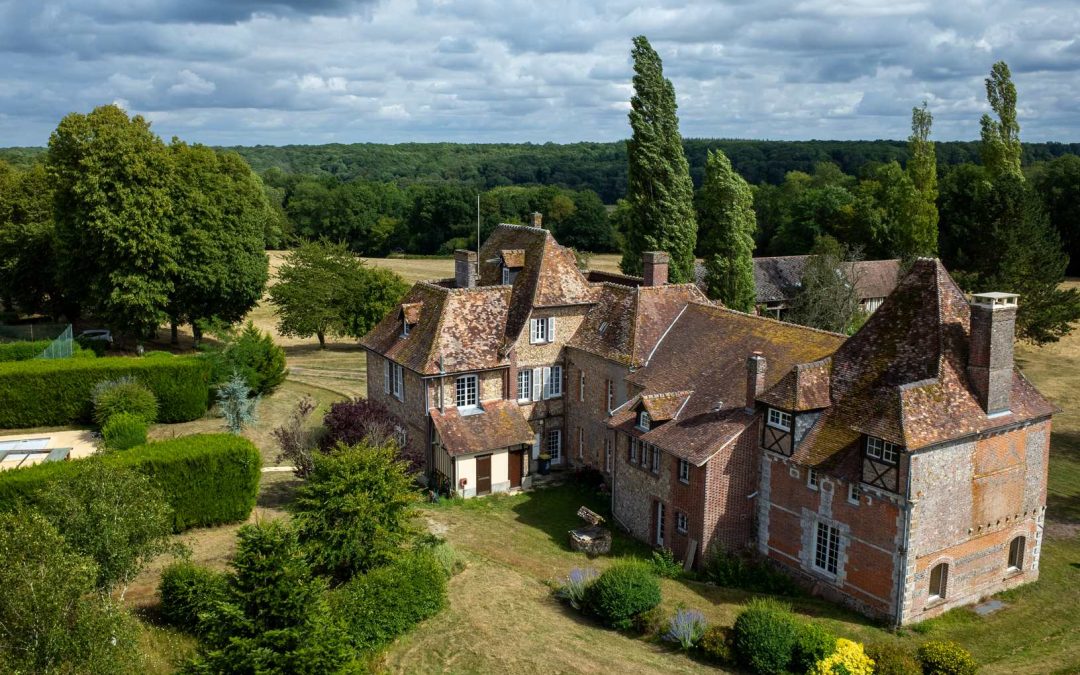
x: 633, y: 450
x: 524, y: 384
x: 939, y: 581
x: 779, y: 419
x: 553, y: 382
x: 812, y: 479
x: 1016, y: 553
x: 554, y: 445
x: 854, y: 493
x: 608, y: 459
x: 827, y: 548
x: 542, y: 330
x: 610, y: 395
x: 684, y: 471
x: 877, y: 448
x: 681, y: 522
x: 655, y: 459
x: 405, y: 327
x: 581, y: 386
x: 466, y: 391
x: 394, y: 382
x: 506, y: 276
x: 643, y: 420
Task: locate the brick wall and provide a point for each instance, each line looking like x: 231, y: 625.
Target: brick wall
x: 591, y: 415
x: 730, y: 478
x: 411, y: 409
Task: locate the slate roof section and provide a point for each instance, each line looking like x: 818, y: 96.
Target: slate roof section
x: 778, y: 278
x: 550, y: 279
x: 705, y: 352
x: 458, y: 329
x: 903, y: 377
x: 500, y: 425
x: 634, y: 319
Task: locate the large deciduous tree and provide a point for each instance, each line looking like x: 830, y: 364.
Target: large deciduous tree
x: 116, y: 250
x: 1000, y: 148
x: 727, y: 234
x: 828, y: 298
x: 27, y: 242
x: 659, y: 188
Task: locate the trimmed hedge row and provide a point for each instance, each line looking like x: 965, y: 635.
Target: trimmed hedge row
x: 31, y: 349
x: 208, y: 479
x: 57, y: 391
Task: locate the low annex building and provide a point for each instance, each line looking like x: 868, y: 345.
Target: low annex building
x: 901, y: 471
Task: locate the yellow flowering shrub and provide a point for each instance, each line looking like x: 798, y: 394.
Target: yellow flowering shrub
x: 848, y: 659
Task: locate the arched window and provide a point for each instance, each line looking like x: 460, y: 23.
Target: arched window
x: 1016, y: 553
x: 939, y: 581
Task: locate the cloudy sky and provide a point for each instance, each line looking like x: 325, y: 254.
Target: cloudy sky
x: 316, y: 71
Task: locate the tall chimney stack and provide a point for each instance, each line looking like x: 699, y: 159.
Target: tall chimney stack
x: 537, y: 219
x: 756, y: 367
x: 465, y: 268
x: 654, y: 265
x: 990, y: 358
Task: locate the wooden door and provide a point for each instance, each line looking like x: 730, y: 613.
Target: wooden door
x: 516, y: 465
x: 483, y: 475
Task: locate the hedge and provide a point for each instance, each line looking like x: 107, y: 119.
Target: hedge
x: 208, y: 479
x: 26, y: 350
x: 53, y: 392
x: 386, y: 602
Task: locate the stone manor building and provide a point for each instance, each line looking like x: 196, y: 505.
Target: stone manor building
x: 901, y: 471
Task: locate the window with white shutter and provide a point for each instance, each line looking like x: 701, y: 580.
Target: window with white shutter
x: 539, y: 330
x: 553, y: 382
x: 537, y: 383
x: 524, y: 384
x: 551, y: 329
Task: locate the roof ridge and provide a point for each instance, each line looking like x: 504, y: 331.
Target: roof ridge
x: 515, y: 226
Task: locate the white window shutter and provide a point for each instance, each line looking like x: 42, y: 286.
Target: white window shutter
x: 386, y: 376
x: 537, y: 383
x: 547, y: 382
x: 551, y: 329
x: 536, y: 445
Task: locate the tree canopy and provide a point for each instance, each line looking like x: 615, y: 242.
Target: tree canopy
x: 726, y: 239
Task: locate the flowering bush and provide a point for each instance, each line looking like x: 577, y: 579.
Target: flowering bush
x: 940, y: 657
x: 848, y: 659
x: 573, y: 589
x: 686, y: 627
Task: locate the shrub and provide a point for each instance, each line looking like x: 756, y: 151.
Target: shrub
x: 253, y: 354
x: 296, y: 440
x: 941, y: 657
x: 765, y: 635
x: 207, y: 479
x: 664, y: 564
x: 236, y: 404
x: 686, y: 628
x: 717, y: 644
x: 387, y: 601
x: 577, y: 582
x: 96, y: 347
x: 733, y: 571
x: 449, y: 559
x: 848, y: 659
x: 623, y: 591
x: 123, y: 431
x: 123, y: 395
x: 812, y: 644
x: 892, y: 659
x: 22, y: 351
x: 363, y: 420
x: 650, y: 622
x: 186, y: 590
x: 57, y: 391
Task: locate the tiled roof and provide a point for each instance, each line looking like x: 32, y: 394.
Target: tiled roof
x: 410, y: 312
x: 501, y: 424
x: 459, y: 329
x: 705, y: 351
x: 551, y: 278
x: 666, y: 406
x: 903, y: 376
x: 778, y: 278
x: 805, y: 387
x: 513, y: 257
x: 633, y: 319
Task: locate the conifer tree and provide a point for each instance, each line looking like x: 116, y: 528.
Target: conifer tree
x: 1000, y: 148
x: 922, y: 170
x: 659, y: 188
x: 727, y: 228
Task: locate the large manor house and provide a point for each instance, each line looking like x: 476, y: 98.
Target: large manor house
x: 901, y: 471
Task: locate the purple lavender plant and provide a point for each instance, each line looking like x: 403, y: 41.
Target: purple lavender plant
x: 686, y: 628
x: 573, y: 589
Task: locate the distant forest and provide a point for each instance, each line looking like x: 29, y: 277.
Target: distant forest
x: 600, y: 167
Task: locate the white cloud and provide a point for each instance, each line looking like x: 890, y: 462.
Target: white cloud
x: 190, y: 83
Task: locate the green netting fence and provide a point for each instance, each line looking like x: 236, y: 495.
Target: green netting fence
x: 61, y: 345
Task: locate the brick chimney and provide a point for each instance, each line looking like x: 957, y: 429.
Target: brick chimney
x: 654, y: 265
x: 990, y: 359
x: 756, y: 366
x: 537, y: 219
x: 465, y: 268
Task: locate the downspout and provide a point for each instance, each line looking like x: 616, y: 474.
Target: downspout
x: 902, y: 580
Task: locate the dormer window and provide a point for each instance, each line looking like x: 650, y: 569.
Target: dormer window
x: 643, y: 420
x: 778, y: 419
x: 880, y: 449
x: 506, y: 276
x: 405, y: 328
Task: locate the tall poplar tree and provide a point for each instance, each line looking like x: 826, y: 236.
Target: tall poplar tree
x: 727, y: 233
x: 1000, y: 148
x: 660, y: 192
x: 922, y: 169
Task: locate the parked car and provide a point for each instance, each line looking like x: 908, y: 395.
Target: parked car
x: 96, y: 334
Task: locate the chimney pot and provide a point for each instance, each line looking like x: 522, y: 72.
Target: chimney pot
x: 465, y: 268
x: 990, y: 354
x: 654, y: 265
x: 756, y: 367
x: 537, y: 219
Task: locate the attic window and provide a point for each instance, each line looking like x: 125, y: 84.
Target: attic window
x: 877, y: 448
x: 643, y: 420
x: 506, y: 276
x: 405, y: 328
x: 603, y: 327
x: 779, y: 419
